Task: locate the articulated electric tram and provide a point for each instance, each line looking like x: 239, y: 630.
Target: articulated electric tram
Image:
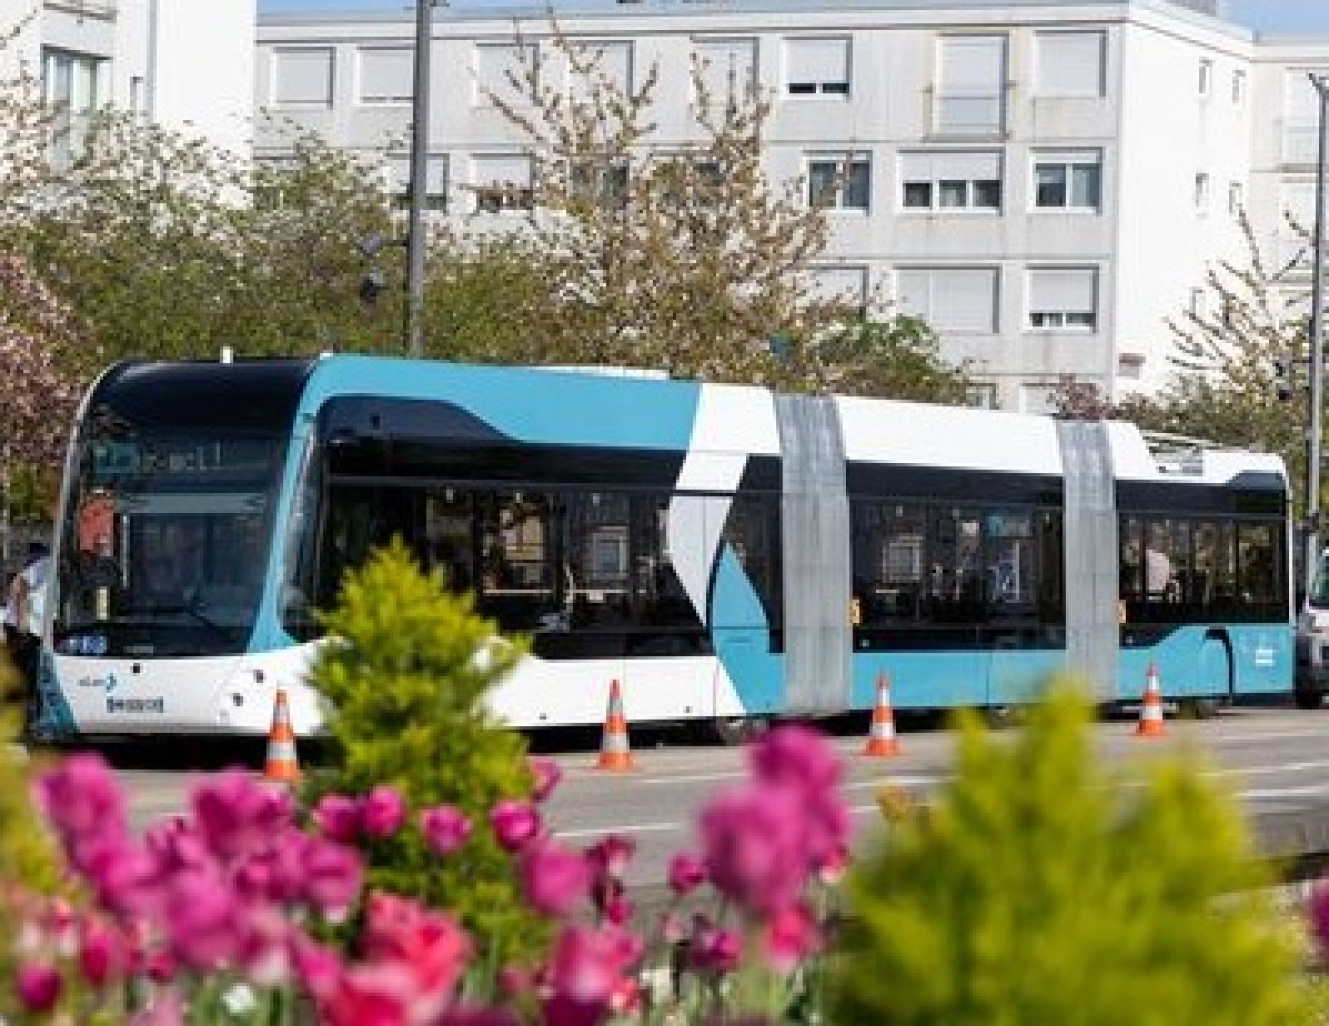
x: 727, y: 553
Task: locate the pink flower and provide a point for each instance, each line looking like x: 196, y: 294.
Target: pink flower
x: 167, y: 1009
x: 554, y: 878
x: 370, y: 995
x: 203, y: 924
x: 546, y: 774
x: 587, y: 965
x: 714, y: 949
x: 445, y: 828
x: 791, y: 936
x: 431, y: 947
x: 38, y: 986
x: 236, y: 815
x: 101, y: 952
x: 798, y: 757
x: 338, y: 817
x: 515, y: 823
x: 755, y: 854
x: 316, y: 967
x: 81, y: 800
x: 686, y: 873
x: 382, y: 812
x: 612, y: 854
x: 1319, y: 916
x: 332, y: 877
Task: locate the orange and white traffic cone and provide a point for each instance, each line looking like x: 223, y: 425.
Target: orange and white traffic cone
x: 882, y: 739
x: 282, y: 766
x: 1151, y: 712
x: 614, y: 751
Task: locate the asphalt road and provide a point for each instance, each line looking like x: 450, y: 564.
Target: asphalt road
x: 1275, y: 759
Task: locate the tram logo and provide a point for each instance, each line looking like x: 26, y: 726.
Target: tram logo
x: 107, y: 683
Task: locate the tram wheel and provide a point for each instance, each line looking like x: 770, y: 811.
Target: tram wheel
x: 1199, y: 708
x: 739, y: 730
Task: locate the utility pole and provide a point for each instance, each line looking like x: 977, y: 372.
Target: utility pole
x: 415, y: 234
x: 1315, y: 434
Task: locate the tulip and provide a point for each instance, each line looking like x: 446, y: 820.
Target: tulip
x: 382, y: 812
x: 445, y: 828
x: 515, y: 823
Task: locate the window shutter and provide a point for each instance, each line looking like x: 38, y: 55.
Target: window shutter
x: 727, y: 64
x: 1070, y: 63
x: 386, y: 74
x: 973, y: 65
x: 503, y: 170
x: 964, y: 299
x: 1062, y: 289
x: 303, y: 77
x: 819, y: 60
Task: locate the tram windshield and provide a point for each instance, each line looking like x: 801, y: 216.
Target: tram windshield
x: 165, y: 542
x: 1319, y: 593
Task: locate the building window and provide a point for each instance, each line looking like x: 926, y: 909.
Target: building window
x: 971, y: 88
x: 599, y: 184
x: 953, y: 180
x: 1236, y: 198
x: 387, y: 74
x: 839, y: 181
x: 727, y: 69
x: 981, y: 395
x: 817, y: 66
x: 1063, y: 298
x: 1068, y: 180
x: 1238, y: 87
x: 502, y: 184
x: 436, y: 182
x: 847, y: 285
x: 596, y: 65
x: 1070, y: 63
x: 1206, y: 77
x: 71, y: 87
x: 950, y: 299
x: 1202, y: 192
x: 501, y: 71
x: 302, y: 77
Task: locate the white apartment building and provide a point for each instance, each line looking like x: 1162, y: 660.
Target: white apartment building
x: 1045, y: 182
x: 187, y: 65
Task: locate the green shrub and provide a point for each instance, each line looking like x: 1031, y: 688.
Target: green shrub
x: 1038, y: 890
x: 407, y: 674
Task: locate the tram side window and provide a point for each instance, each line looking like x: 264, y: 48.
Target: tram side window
x: 751, y: 531
x: 659, y: 596
x: 955, y: 576
x: 1010, y: 558
x: 888, y: 561
x: 1260, y: 580
x: 1052, y: 568
x: 595, y: 566
x: 1212, y: 586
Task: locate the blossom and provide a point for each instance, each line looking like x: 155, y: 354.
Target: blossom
x: 754, y: 845
x: 382, y: 812
x: 445, y: 828
x: 1319, y: 915
x: 713, y: 948
x: 554, y: 879
x: 338, y: 817
x: 431, y: 947
x: 235, y: 815
x: 38, y: 986
x: 587, y: 965
x: 332, y: 876
x: 611, y: 855
x: 81, y: 800
x: 515, y: 823
x: 546, y: 773
x: 101, y: 951
x: 687, y: 872
x: 791, y: 936
x: 203, y: 923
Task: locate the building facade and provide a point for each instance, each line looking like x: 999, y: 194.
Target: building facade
x: 183, y: 64
x: 1046, y: 183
